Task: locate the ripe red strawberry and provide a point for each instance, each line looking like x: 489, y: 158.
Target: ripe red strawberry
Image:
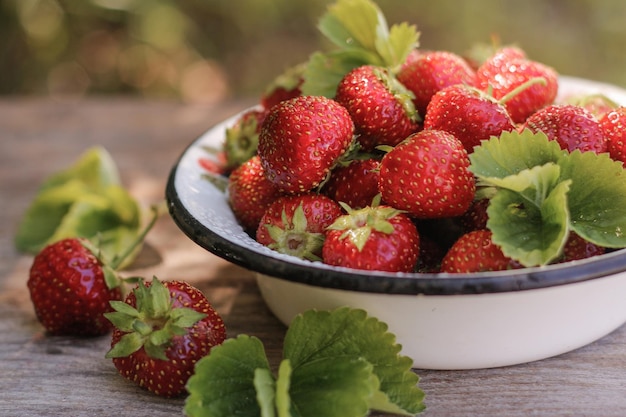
x: 71, y: 288
x: 475, y: 218
x: 613, y: 125
x: 504, y: 73
x: 469, y: 114
x: 295, y: 225
x: 250, y: 193
x: 430, y: 71
x: 378, y: 238
x: 578, y: 248
x: 597, y: 104
x: 427, y: 175
x: 379, y: 105
x: 355, y: 184
x: 302, y: 139
x: 242, y: 138
x: 162, y: 330
x: 476, y: 252
x: 573, y: 127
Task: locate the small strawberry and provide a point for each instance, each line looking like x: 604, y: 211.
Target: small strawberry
x: 381, y: 107
x: 355, y: 184
x: 302, y: 139
x: 378, y: 238
x: 431, y: 71
x: 284, y: 87
x: 250, y: 193
x: 70, y: 288
x: 295, y: 225
x: 503, y: 74
x: 613, y: 124
x: 578, y: 248
x: 475, y: 218
x: 573, y: 127
x: 427, y: 175
x: 476, y: 252
x: 242, y: 138
x: 162, y: 330
x: 469, y: 114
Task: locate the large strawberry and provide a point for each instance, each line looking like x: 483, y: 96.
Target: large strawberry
x: 381, y: 108
x: 70, y: 288
x: 377, y: 237
x: 162, y: 330
x: 573, y: 127
x: 427, y: 175
x: 355, y: 184
x: 469, y: 114
x: 302, y: 139
x: 613, y: 124
x: 476, y: 252
x: 250, y: 193
x: 506, y: 72
x: 430, y: 71
x: 295, y: 225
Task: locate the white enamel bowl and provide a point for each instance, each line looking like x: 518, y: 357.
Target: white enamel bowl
x: 442, y: 321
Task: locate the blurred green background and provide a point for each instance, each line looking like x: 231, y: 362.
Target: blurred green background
x: 206, y: 50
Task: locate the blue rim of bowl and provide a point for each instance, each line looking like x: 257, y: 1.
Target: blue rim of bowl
x: 320, y: 275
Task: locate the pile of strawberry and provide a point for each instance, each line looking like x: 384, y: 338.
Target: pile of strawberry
x: 374, y: 174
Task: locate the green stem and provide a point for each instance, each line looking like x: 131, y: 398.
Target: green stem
x: 156, y: 211
x: 536, y: 80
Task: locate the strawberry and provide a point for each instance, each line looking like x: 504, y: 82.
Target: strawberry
x: 506, y: 72
x: 284, y: 87
x: 70, y: 288
x: 242, y: 138
x: 162, y: 330
x: 295, y: 225
x: 578, y: 248
x: 431, y: 71
x: 250, y: 193
x: 475, y: 218
x: 597, y: 104
x: 379, y: 105
x: 377, y: 237
x: 427, y: 175
x: 573, y: 127
x: 469, y: 114
x: 302, y: 139
x: 476, y: 252
x: 613, y: 124
x: 355, y: 184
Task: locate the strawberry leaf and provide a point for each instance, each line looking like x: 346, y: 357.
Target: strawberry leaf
x: 395, y: 46
x: 223, y: 383
x: 597, y: 199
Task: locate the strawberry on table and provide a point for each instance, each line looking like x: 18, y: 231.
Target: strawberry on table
x: 302, y: 139
x: 162, y: 329
x: 468, y: 113
x: 70, y: 288
x: 476, y: 252
x: 573, y: 127
x: 295, y: 225
x: 355, y: 184
x: 381, y: 108
x: 250, y: 193
x: 430, y: 71
x: 427, y: 175
x: 376, y: 237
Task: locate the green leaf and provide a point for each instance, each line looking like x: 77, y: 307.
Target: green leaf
x: 332, y: 387
x: 512, y: 153
x: 597, y: 198
x: 129, y: 343
x: 353, y: 23
x: 527, y: 227
x: 395, y: 46
x: 265, y: 387
x: 316, y: 335
x: 223, y: 381
x: 324, y: 71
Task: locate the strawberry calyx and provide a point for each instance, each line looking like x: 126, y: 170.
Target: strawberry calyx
x: 294, y: 238
x: 152, y: 324
x: 357, y: 225
x: 403, y: 95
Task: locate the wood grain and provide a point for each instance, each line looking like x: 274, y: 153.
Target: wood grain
x: 60, y: 376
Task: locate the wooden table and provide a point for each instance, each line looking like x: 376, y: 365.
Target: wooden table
x: 62, y: 376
